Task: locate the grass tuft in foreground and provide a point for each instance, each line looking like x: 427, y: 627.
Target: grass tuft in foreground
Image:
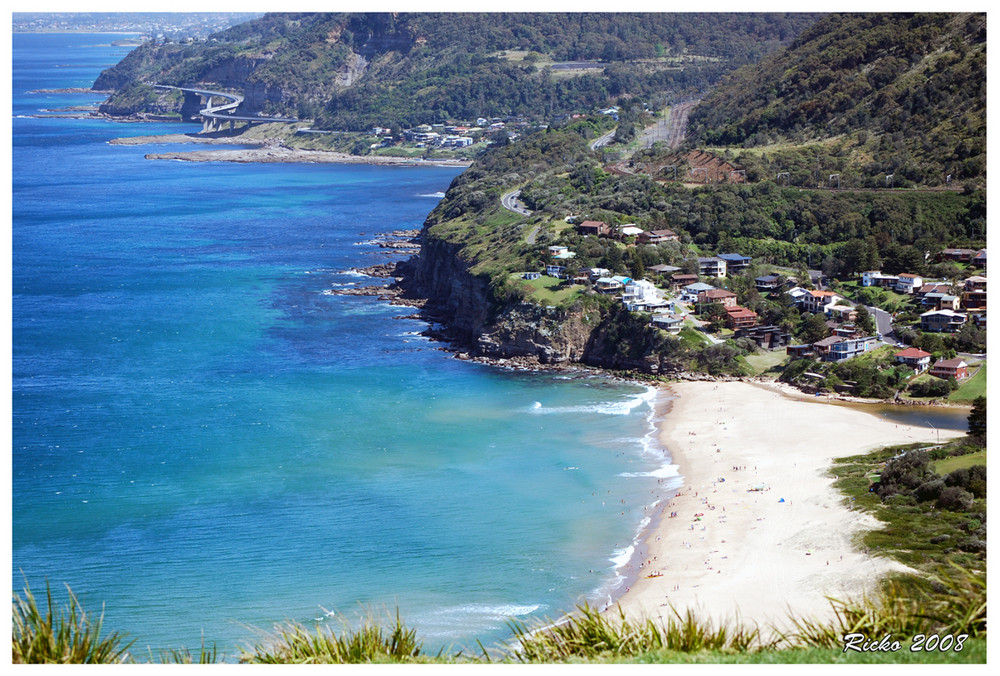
x: 590, y: 634
x: 61, y: 636
x: 295, y: 644
x: 953, y: 605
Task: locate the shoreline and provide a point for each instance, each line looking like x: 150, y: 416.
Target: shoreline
x: 759, y: 556
x: 271, y: 152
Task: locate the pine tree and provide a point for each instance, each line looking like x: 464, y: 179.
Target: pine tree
x: 977, y: 419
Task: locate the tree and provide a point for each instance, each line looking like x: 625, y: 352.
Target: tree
x: 977, y: 420
x: 814, y: 328
x: 865, y: 321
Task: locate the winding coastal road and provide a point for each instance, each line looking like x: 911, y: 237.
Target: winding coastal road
x: 224, y: 112
x: 604, y: 140
x: 510, y: 202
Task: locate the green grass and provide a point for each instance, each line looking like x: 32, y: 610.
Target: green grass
x: 948, y: 465
x: 693, y: 337
x: 549, y: 290
x: 971, y: 388
x: 370, y: 643
x: 766, y: 360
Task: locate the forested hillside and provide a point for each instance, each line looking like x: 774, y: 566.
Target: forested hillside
x: 353, y: 71
x: 870, y: 95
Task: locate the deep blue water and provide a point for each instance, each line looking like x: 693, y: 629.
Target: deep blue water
x: 204, y: 442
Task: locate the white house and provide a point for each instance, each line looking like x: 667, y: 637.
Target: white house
x: 640, y: 291
x: 908, y: 283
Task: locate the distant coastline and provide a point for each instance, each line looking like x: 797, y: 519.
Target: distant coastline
x: 271, y: 152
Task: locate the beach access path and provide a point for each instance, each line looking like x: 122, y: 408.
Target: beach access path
x: 760, y: 534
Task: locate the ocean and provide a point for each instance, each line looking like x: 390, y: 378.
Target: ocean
x: 206, y: 442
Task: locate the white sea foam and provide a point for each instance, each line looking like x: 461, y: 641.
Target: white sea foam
x: 354, y: 273
x: 607, y: 408
x: 438, y: 195
x: 665, y: 472
x: 621, y: 557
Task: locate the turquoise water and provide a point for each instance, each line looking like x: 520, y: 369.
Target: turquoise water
x: 205, y: 442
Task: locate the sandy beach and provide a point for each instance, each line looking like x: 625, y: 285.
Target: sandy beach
x: 759, y: 533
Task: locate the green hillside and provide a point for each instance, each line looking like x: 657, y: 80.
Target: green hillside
x: 354, y: 71
x: 865, y: 95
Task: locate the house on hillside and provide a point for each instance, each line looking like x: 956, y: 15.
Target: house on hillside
x: 950, y: 368
x: 595, y: 228
x: 690, y: 292
x: 979, y: 260
x: 908, y: 283
x: 942, y: 321
x: 640, y: 290
x: 876, y: 278
x: 739, y: 317
x: 712, y: 266
x: 664, y: 269
x: 819, y: 301
x: 768, y: 283
x: 596, y: 273
x: 668, y: 322
x: 678, y: 280
x: 975, y: 283
x: 959, y: 255
x: 735, y: 262
x: 657, y: 237
x: 843, y: 313
x: 629, y: 230
x: 608, y: 285
x: 766, y: 337
x: 822, y: 347
x: 851, y: 347
x: 916, y: 359
x: 722, y: 296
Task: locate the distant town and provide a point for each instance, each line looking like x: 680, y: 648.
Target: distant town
x: 150, y: 25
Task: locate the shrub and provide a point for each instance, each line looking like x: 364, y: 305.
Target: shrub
x: 955, y: 499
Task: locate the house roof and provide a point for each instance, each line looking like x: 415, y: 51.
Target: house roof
x: 950, y: 363
x: 947, y: 313
x: 908, y: 275
x: 912, y: 353
x: 734, y: 257
x: 718, y: 293
x: 698, y: 286
x: 826, y: 342
x: 739, y: 312
x: 663, y: 233
x: 593, y: 224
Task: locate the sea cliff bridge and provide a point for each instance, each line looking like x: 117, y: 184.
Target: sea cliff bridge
x: 215, y: 117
